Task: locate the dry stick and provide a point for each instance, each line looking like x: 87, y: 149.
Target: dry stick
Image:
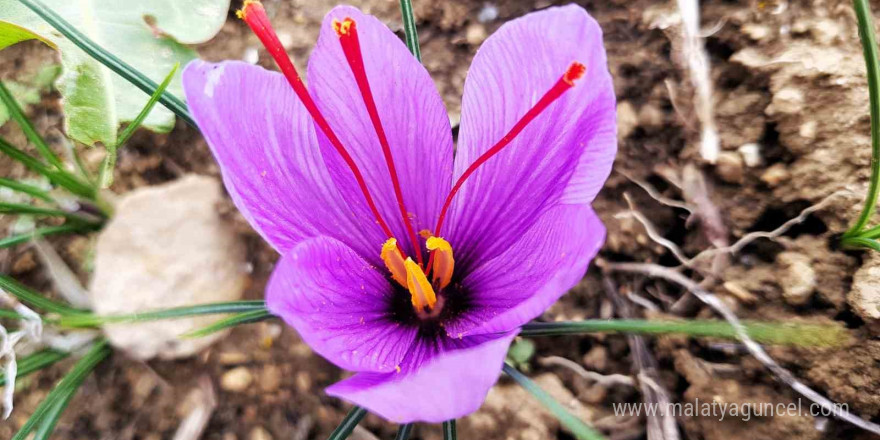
x: 663, y: 200
x: 774, y: 234
x: 657, y: 271
x: 601, y: 379
x: 62, y: 275
x: 193, y: 425
x: 698, y: 69
x: 661, y: 426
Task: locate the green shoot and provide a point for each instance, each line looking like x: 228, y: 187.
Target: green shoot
x: 43, y: 231
x: 26, y: 126
x: 63, y: 391
x: 856, y: 236
x: 404, y: 431
x: 106, y: 174
x: 36, y: 362
x: 109, y: 60
x: 765, y: 333
x: 409, y: 28
x: 575, y: 425
x: 449, y: 430
x: 25, y: 188
x: 33, y: 299
x: 57, y: 176
x: 232, y: 321
x: 348, y: 424
x: 92, y: 320
x: 23, y: 209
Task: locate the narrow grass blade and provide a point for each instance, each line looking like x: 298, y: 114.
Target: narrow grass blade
x: 9, y: 314
x: 348, y: 424
x: 65, y: 387
x: 449, y: 430
x: 109, y: 60
x: 763, y: 332
x: 53, y: 415
x: 872, y: 64
x: 41, y: 232
x: 232, y: 321
x: 409, y: 28
x: 106, y: 174
x: 34, y: 299
x: 24, y: 209
x: 575, y: 425
x: 56, y: 176
x: 92, y: 320
x: 36, y: 362
x: 404, y: 431
x: 24, y: 188
x: 28, y: 128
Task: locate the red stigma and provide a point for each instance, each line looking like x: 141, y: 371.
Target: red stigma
x: 574, y: 72
x: 348, y: 38
x: 253, y: 13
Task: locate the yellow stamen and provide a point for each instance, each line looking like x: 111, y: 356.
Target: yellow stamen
x: 394, y: 261
x: 242, y: 13
x: 419, y: 287
x: 342, y: 27
x: 444, y: 264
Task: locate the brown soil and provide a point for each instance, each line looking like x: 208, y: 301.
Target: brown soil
x: 788, y: 76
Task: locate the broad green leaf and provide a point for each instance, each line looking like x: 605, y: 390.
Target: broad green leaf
x: 11, y: 33
x: 96, y: 100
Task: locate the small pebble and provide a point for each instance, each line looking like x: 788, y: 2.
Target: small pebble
x: 259, y: 433
x: 729, y: 167
x: 797, y: 279
x: 236, y: 380
x: 270, y: 378
x: 475, y: 34
x: 232, y: 358
x: 775, y: 175
x: 751, y: 154
x: 303, y: 381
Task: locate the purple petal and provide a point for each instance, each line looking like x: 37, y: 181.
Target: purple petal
x: 339, y: 305
x: 272, y: 165
x: 411, y: 111
x: 563, y: 156
x: 523, y: 281
x: 447, y: 385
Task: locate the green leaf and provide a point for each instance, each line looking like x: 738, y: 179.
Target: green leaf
x: 409, y: 28
x: 56, y: 176
x: 404, y: 431
x: 449, y: 430
x: 48, y: 410
x: 348, y: 424
x: 11, y: 33
x: 521, y: 351
x: 232, y: 321
x: 96, y: 100
x: 17, y: 113
x: 26, y: 189
x: 34, y: 299
x: 106, y: 174
x: 40, y: 232
x: 575, y: 425
x: 36, y: 362
x: 810, y: 335
x: 28, y: 91
x: 20, y: 208
x: 91, y: 320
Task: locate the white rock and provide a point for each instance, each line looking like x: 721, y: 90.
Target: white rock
x: 864, y: 297
x: 751, y: 154
x: 797, y: 278
x: 166, y: 247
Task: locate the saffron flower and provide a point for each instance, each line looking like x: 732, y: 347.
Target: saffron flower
x: 404, y: 260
